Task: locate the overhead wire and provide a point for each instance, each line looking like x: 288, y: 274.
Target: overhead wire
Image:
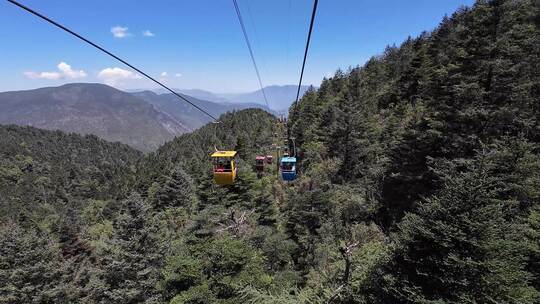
x: 111, y: 55
x: 313, y: 14
x: 257, y: 40
x: 289, y: 131
x: 246, y: 38
x: 288, y: 33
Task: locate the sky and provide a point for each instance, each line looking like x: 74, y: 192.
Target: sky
x: 199, y: 44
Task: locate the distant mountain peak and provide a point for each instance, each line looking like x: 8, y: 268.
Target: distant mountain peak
x: 280, y: 97
x: 91, y: 108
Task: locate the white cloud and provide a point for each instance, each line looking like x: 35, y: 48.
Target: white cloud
x: 43, y: 75
x: 120, y: 31
x: 64, y: 72
x: 177, y: 75
x: 68, y: 72
x: 112, y: 76
x: 148, y: 33
x: 164, y: 74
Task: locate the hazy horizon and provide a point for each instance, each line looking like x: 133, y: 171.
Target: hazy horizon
x: 157, y: 88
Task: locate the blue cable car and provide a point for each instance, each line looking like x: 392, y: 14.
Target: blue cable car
x: 288, y: 168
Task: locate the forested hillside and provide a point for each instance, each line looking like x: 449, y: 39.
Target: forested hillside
x: 127, y: 237
x: 435, y: 143
x: 48, y: 180
x: 42, y: 170
x: 419, y: 175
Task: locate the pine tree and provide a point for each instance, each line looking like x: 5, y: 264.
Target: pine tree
x: 30, y: 267
x: 264, y: 203
x: 533, y: 235
x: 304, y: 214
x: 177, y: 191
x: 214, y: 271
x: 460, y: 246
x: 130, y: 264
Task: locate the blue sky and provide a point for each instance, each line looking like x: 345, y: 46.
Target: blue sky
x: 199, y: 44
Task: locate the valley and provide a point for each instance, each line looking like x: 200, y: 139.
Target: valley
x: 143, y: 120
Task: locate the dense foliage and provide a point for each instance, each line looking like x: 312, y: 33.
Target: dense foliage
x: 418, y: 184
x: 46, y: 170
x: 439, y: 138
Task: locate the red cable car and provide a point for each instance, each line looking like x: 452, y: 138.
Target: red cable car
x: 259, y: 163
x: 269, y: 159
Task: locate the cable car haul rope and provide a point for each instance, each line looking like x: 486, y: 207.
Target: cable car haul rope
x: 313, y: 13
x: 241, y: 21
x: 288, y: 164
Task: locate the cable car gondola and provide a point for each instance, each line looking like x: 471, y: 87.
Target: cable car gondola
x: 224, y: 167
x: 259, y: 164
x: 269, y: 159
x: 288, y: 168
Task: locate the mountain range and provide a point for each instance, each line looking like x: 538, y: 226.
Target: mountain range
x: 182, y: 111
x: 196, y: 93
x: 280, y: 97
x: 144, y: 120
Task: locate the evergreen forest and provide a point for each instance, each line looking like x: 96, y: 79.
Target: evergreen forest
x: 419, y: 182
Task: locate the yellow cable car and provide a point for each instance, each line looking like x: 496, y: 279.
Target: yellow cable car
x: 224, y: 167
